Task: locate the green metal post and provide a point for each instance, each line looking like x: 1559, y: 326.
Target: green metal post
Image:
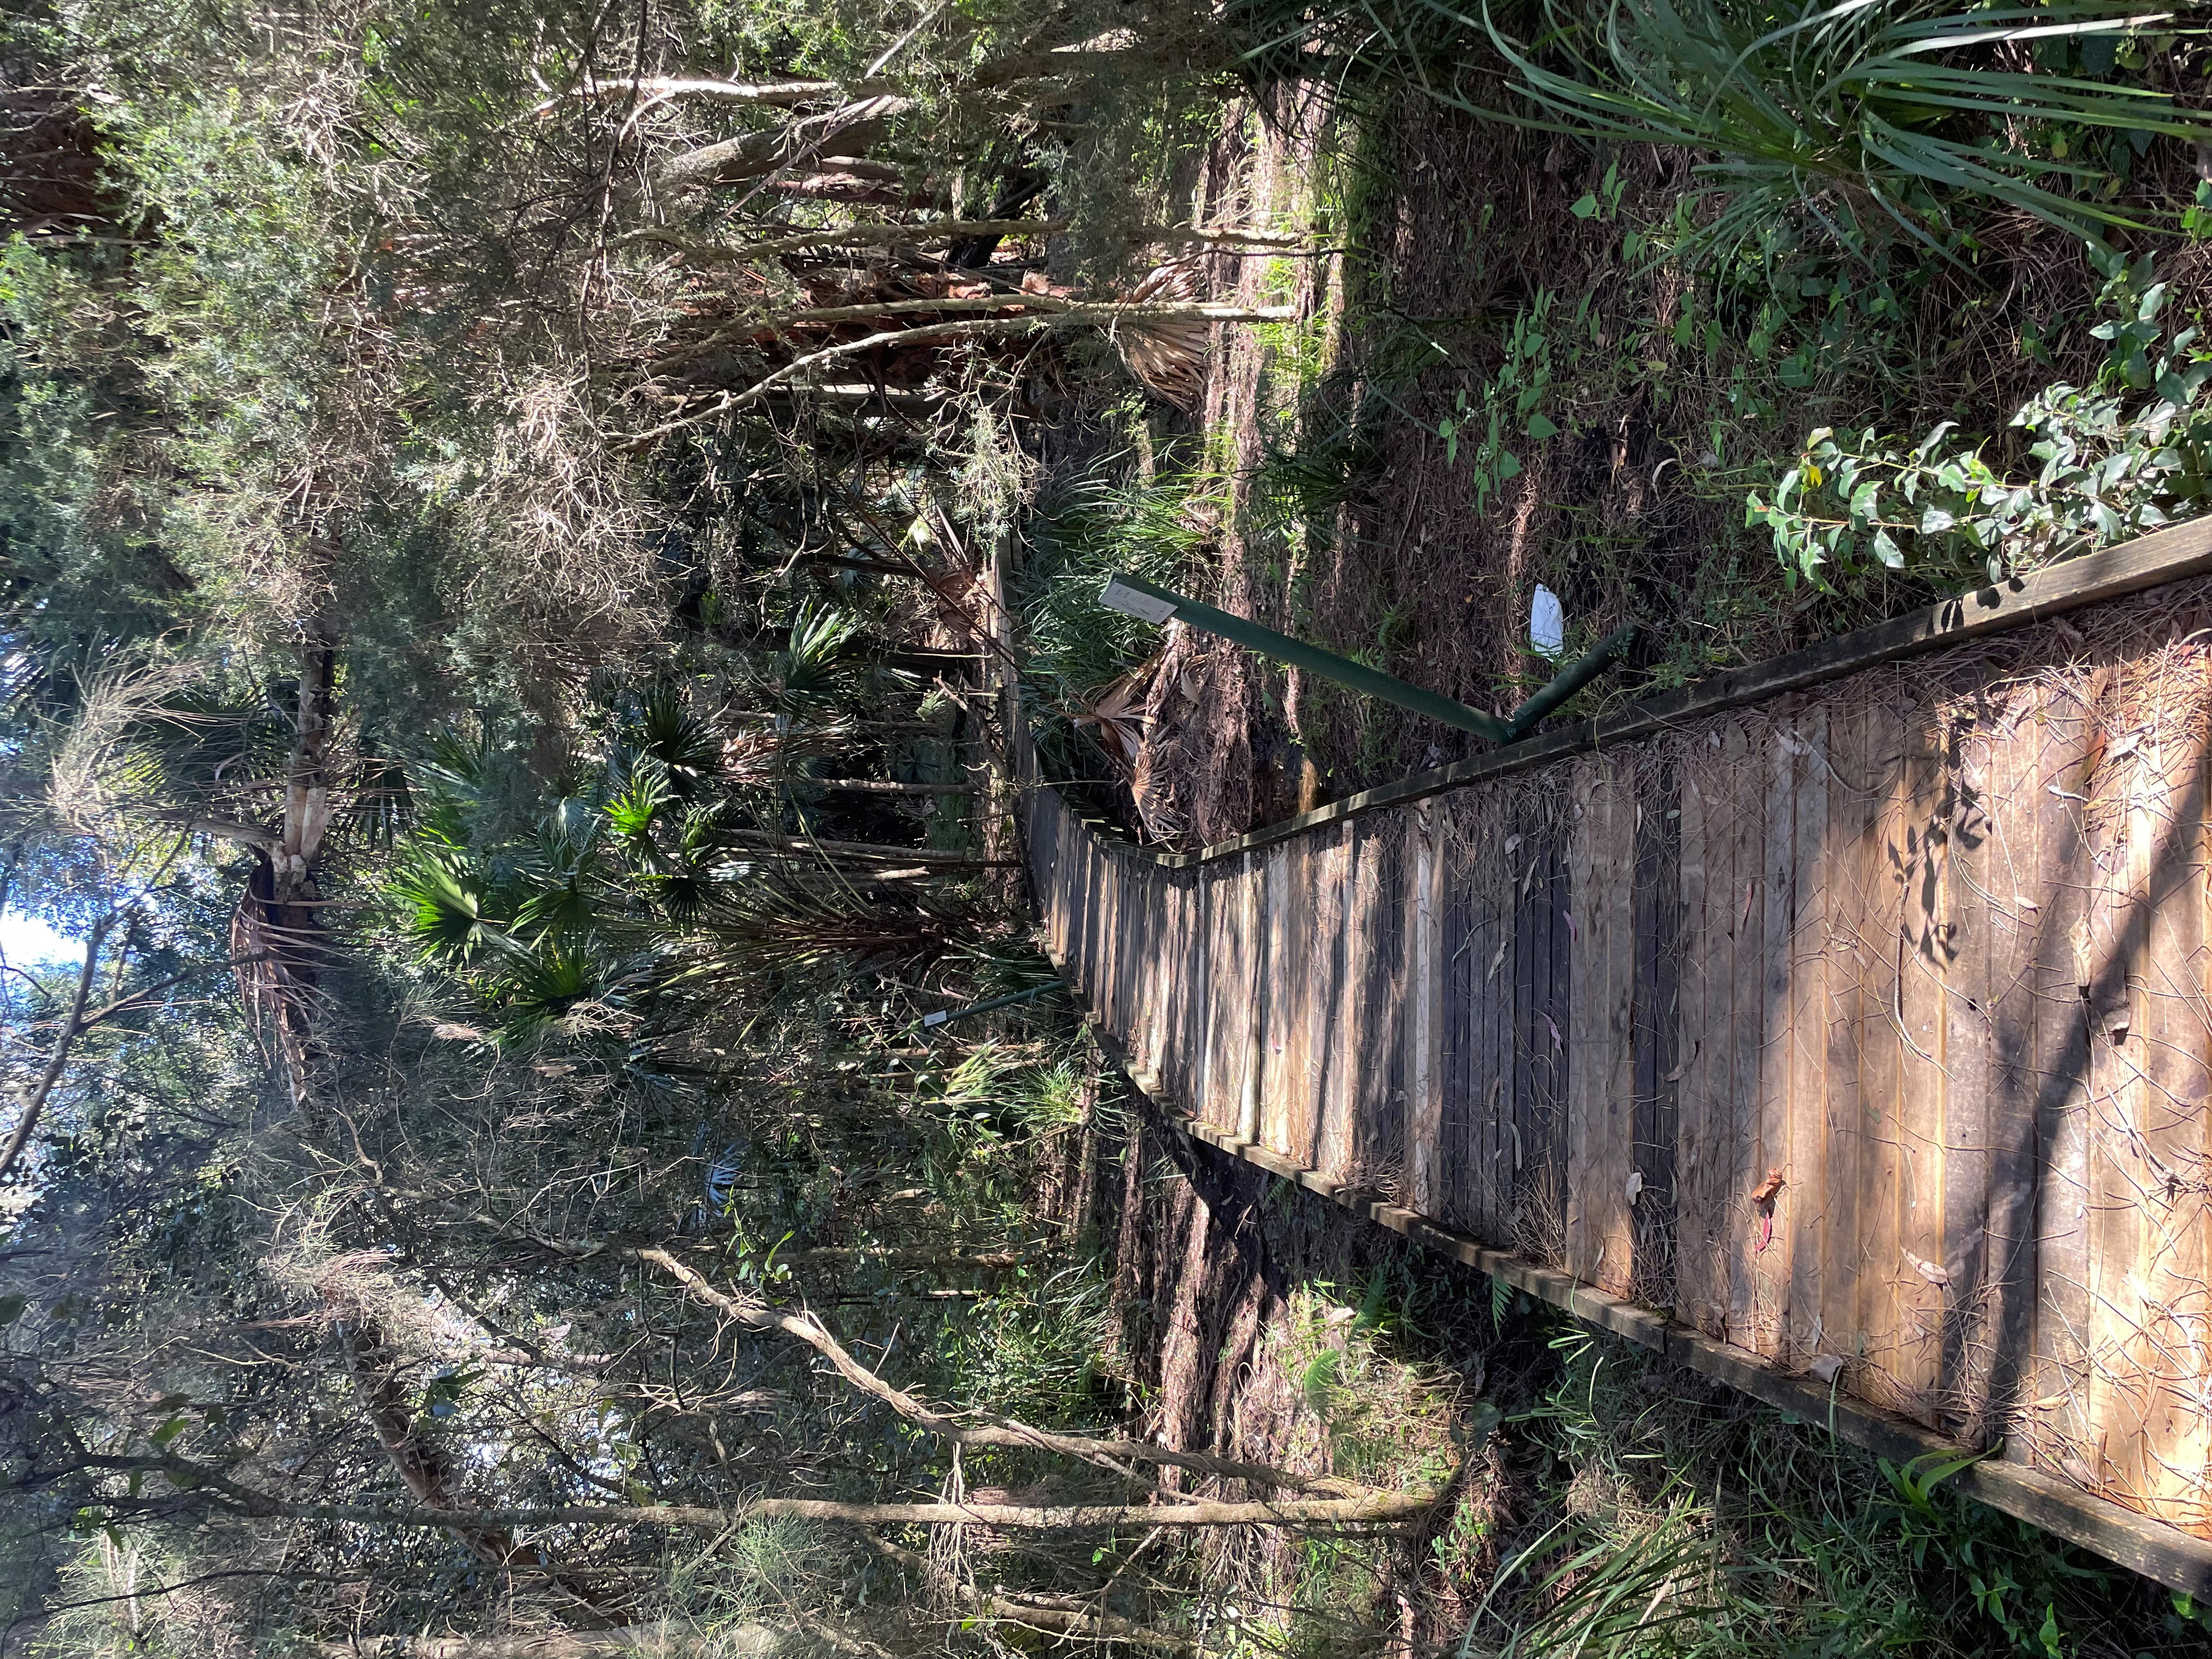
x: 1138, y: 598
x: 1568, y: 681
x: 946, y: 1016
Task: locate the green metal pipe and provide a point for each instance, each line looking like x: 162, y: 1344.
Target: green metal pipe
x: 1568, y: 681
x: 1138, y: 598
x: 946, y: 1016
x: 1135, y: 596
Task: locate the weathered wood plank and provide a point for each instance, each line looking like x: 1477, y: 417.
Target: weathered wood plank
x: 1583, y: 1257
x: 1772, y: 1252
x: 1498, y: 993
x: 1961, y: 954
x: 1886, y: 873
x: 1381, y: 1151
x: 2191, y: 1453
x: 1552, y: 1061
x: 1804, y: 1202
x: 2059, y: 1417
x: 1292, y: 986
x: 1425, y: 990
x: 1457, y: 1203
x: 2120, y: 852
x: 2170, y: 1101
x: 1844, y: 1015
x: 1747, y: 1027
x: 1919, y: 1274
x: 1601, y: 1103
x: 1367, y: 1012
x: 1212, y: 889
x: 1336, y: 1029
x: 1706, y: 871
x: 2011, y: 863
x: 1656, y: 1015
x: 1252, y: 927
x: 1518, y: 1108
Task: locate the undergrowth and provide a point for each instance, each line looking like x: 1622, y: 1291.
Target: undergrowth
x: 1634, y: 1508
x: 1126, y: 513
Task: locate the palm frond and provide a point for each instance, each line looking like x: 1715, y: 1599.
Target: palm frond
x: 441, y: 909
x: 669, y: 729
x: 813, y: 676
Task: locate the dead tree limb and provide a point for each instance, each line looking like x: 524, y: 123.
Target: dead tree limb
x: 863, y: 234
x: 34, y: 1098
x: 982, y: 1429
x: 730, y: 403
x: 1381, y: 1510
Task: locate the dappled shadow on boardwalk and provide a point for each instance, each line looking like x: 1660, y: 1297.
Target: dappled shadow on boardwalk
x: 1863, y: 1030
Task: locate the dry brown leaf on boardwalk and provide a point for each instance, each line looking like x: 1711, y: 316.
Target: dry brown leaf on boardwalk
x: 1763, y: 1195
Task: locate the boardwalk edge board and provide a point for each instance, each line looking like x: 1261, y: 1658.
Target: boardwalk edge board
x: 2163, y: 1554
x: 2148, y: 562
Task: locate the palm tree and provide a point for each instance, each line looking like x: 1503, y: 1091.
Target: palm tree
x: 645, y: 878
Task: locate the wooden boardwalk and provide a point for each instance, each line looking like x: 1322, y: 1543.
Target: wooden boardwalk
x: 1852, y: 1038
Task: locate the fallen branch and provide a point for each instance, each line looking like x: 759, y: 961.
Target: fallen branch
x: 731, y: 402
x: 935, y: 857
x: 1105, y: 312
x: 1102, y: 311
x: 984, y: 1431
x: 1057, y: 1616
x: 658, y: 88
x: 865, y: 234
x: 1381, y: 1509
x: 878, y: 786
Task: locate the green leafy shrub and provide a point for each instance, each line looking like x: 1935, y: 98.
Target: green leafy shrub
x: 2129, y: 453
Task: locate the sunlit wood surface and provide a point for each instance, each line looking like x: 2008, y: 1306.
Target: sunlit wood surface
x: 1865, y: 1029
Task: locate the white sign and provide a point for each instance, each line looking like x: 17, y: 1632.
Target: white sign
x: 1135, y: 602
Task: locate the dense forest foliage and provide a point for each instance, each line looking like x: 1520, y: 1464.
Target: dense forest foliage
x: 528, y: 532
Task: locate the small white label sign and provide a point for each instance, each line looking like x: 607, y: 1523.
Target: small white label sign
x: 1135, y: 602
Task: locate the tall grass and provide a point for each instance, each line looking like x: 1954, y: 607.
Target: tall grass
x: 1662, y: 1525
x: 1869, y: 116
